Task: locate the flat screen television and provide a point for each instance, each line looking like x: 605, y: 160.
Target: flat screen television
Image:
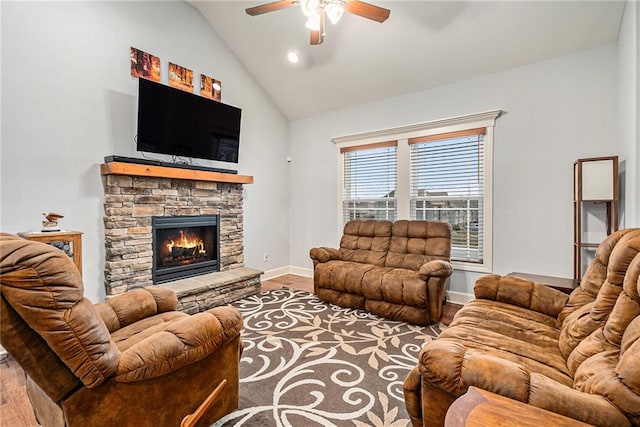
x: 175, y: 122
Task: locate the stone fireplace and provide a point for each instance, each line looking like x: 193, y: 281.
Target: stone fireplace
x: 139, y: 196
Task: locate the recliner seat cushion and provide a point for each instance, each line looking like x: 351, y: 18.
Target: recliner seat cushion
x: 342, y: 276
x: 513, y: 333
x: 395, y: 285
x: 132, y: 334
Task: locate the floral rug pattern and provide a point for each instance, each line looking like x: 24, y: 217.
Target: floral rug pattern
x: 309, y: 363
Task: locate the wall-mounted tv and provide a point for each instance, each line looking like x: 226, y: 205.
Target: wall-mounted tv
x: 175, y: 122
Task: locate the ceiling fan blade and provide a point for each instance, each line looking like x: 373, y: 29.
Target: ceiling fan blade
x: 270, y: 7
x: 367, y: 10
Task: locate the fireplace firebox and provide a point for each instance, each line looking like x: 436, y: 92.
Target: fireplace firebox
x: 184, y: 246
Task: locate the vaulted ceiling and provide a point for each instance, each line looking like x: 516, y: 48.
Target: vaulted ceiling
x: 423, y: 44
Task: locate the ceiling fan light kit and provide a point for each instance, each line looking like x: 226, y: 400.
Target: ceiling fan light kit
x: 317, y: 10
x: 313, y: 23
x: 334, y: 9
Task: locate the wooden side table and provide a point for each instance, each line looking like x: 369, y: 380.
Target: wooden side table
x: 481, y: 408
x: 560, y: 283
x: 70, y: 242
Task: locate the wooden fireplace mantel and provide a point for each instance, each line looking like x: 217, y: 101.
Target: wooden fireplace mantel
x: 132, y: 169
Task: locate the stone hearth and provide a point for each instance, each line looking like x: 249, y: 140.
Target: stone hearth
x: 199, y: 293
x: 130, y: 204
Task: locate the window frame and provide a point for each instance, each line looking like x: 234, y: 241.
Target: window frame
x: 403, y: 169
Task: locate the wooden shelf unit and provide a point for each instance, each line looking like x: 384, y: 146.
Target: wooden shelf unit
x: 73, y: 238
x: 132, y: 169
x: 596, y: 182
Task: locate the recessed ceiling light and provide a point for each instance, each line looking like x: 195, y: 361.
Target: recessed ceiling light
x: 293, y: 57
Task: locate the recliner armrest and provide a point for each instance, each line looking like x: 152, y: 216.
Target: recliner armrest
x: 324, y: 254
x: 134, y: 305
x: 520, y: 292
x: 435, y: 268
x: 180, y: 343
x: 454, y: 368
x: 589, y: 408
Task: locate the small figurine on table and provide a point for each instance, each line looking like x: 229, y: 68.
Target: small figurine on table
x: 50, y: 221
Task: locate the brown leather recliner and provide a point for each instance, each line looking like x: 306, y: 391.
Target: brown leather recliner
x: 133, y: 360
x: 395, y: 270
x: 575, y: 355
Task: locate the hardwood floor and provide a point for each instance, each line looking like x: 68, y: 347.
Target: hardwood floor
x: 288, y: 281
x: 15, y: 408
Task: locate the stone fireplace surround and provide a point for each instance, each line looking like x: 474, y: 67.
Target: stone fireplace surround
x: 136, y: 193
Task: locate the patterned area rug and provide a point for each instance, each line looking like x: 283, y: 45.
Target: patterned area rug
x: 309, y: 363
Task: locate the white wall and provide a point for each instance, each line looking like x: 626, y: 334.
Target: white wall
x: 554, y: 112
x: 629, y: 111
x: 68, y: 100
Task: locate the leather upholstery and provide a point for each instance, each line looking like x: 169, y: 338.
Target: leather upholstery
x: 109, y: 361
x: 577, y: 355
x: 395, y: 270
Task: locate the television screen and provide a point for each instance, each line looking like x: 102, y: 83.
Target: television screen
x: 171, y: 121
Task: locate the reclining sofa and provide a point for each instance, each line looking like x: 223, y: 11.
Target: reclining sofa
x: 132, y: 361
x: 577, y: 355
x: 395, y: 270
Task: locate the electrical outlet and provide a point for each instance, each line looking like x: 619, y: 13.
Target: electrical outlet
x: 265, y: 257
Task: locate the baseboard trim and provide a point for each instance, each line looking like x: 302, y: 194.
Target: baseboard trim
x: 301, y: 271
x: 459, y: 297
x: 288, y: 269
x: 276, y: 272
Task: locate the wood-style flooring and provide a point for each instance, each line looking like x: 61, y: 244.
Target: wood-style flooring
x: 15, y: 408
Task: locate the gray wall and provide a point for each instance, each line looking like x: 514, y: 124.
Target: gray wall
x: 629, y: 111
x: 554, y: 112
x: 68, y: 100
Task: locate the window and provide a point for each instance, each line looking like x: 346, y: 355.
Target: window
x: 447, y: 184
x: 369, y: 182
x: 440, y: 170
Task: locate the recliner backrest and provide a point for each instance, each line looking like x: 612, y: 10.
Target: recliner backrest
x: 610, y: 356
x: 42, y: 286
x: 34, y: 355
x: 414, y: 243
x: 590, y: 305
x: 366, y: 241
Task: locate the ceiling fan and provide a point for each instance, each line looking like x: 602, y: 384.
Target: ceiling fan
x: 317, y: 10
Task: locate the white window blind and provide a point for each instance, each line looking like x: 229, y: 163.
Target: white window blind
x: 447, y: 184
x: 369, y: 181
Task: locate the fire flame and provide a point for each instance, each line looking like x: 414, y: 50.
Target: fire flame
x: 184, y: 242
